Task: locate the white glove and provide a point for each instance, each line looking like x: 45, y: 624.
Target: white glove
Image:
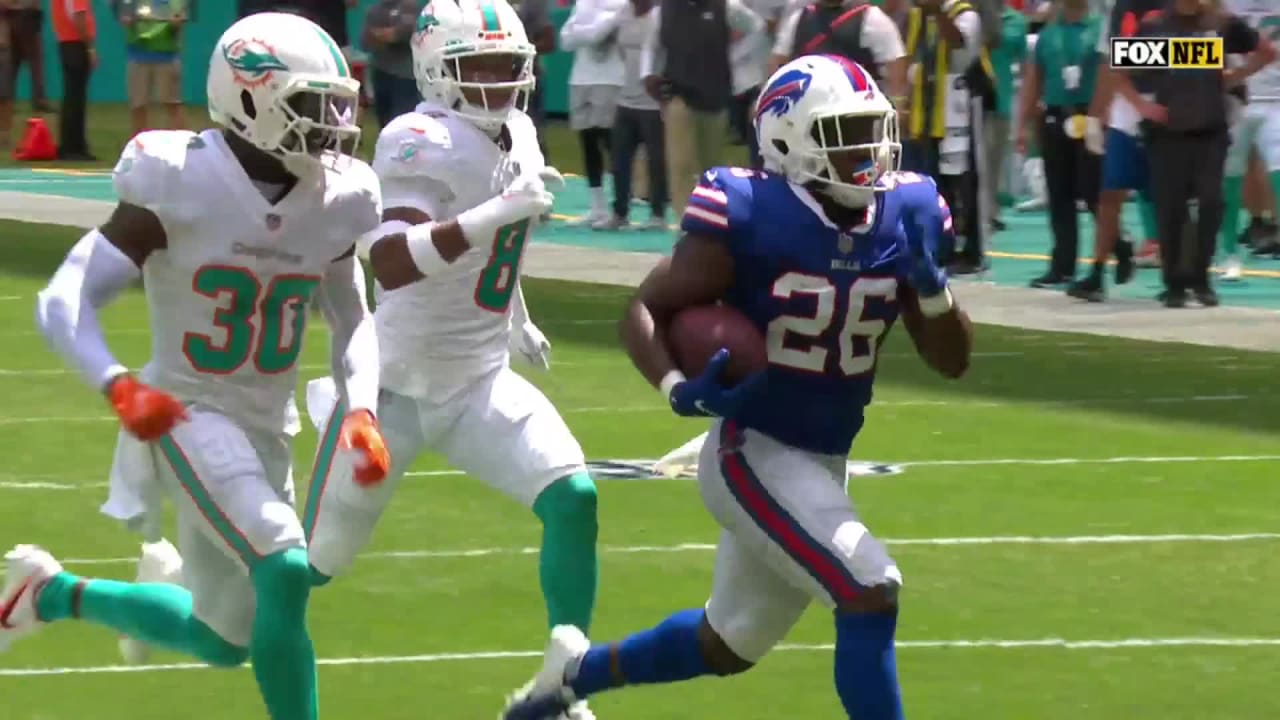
x: 524, y: 199
x: 551, y: 178
x: 1093, y: 136
x: 532, y: 346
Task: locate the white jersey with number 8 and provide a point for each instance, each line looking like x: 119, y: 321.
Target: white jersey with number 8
x: 437, y: 335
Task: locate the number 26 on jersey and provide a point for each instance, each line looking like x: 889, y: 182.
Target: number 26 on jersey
x: 795, y: 341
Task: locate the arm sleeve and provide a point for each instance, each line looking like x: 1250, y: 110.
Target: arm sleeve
x: 91, y: 276
x: 652, y: 56
x: 969, y: 23
x: 787, y: 33
x: 742, y: 19
x: 880, y: 35
x: 354, y: 336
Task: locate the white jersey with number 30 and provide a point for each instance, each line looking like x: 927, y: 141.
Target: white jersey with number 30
x: 438, y: 334
x: 228, y: 296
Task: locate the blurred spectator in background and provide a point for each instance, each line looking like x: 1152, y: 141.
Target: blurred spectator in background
x: 591, y: 34
x: 685, y: 67
x: 1055, y: 96
x: 6, y: 79
x: 639, y: 122
x: 330, y: 15
x: 852, y: 29
x: 749, y: 65
x: 76, y: 30
x: 943, y: 39
x: 1186, y: 125
x: 26, y: 42
x: 1010, y: 51
x: 388, y: 30
x: 536, y: 16
x: 153, y: 31
x: 1253, y: 158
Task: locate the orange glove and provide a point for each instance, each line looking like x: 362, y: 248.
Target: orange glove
x: 147, y: 413
x: 360, y: 434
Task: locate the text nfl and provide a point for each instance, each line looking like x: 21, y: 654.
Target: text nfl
x: 1185, y: 53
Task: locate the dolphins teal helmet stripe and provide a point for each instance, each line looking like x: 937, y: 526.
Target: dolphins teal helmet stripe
x: 339, y: 61
x: 490, y: 16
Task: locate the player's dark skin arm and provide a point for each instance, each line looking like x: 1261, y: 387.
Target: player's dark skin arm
x: 136, y: 232
x: 944, y: 342
x: 389, y: 257
x: 699, y: 272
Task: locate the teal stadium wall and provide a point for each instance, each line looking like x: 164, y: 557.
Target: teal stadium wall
x: 214, y: 16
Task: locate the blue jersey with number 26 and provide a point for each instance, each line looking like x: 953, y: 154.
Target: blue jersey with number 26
x: 822, y: 296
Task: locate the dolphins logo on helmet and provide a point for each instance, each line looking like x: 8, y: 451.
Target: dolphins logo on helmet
x: 252, y: 61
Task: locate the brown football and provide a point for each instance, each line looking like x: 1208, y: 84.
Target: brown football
x: 696, y: 334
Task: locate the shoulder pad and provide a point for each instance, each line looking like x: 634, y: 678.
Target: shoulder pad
x: 150, y: 166
x: 721, y: 200
x: 416, y: 145
x: 360, y: 195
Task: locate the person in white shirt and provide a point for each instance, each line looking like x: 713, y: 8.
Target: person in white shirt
x: 639, y: 122
x: 685, y: 67
x: 591, y: 34
x: 878, y: 38
x: 749, y: 56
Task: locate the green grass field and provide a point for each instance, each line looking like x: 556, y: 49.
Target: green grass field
x: 1087, y: 528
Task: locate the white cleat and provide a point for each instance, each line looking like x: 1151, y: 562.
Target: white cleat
x: 28, y: 569
x: 547, y: 697
x: 1232, y: 268
x: 160, y: 563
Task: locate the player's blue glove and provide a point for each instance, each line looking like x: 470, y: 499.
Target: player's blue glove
x: 704, y: 396
x: 922, y: 269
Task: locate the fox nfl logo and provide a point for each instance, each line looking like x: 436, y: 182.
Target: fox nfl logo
x: 1173, y: 53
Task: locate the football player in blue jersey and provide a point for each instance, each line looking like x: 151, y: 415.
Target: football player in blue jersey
x: 823, y: 251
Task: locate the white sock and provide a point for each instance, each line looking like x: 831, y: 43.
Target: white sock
x: 597, y: 200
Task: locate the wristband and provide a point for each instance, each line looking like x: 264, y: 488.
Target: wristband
x: 936, y: 305
x: 423, y: 251
x: 669, y: 381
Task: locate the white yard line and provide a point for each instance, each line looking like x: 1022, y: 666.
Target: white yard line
x: 16, y: 484
x: 707, y: 547
x: 1033, y: 644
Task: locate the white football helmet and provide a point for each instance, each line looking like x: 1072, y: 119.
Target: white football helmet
x: 280, y: 82
x: 473, y: 57
x: 822, y: 119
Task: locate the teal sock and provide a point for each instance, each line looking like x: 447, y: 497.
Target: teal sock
x: 567, y: 565
x: 1274, y: 177
x: 1232, y: 190
x: 1147, y: 211
x: 284, y: 661
x: 155, y: 613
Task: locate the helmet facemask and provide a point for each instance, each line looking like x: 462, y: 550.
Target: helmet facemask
x: 487, y: 83
x: 319, y: 121
x: 848, y: 151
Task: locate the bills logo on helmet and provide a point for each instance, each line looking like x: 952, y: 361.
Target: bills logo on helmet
x: 784, y: 93
x: 252, y: 62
